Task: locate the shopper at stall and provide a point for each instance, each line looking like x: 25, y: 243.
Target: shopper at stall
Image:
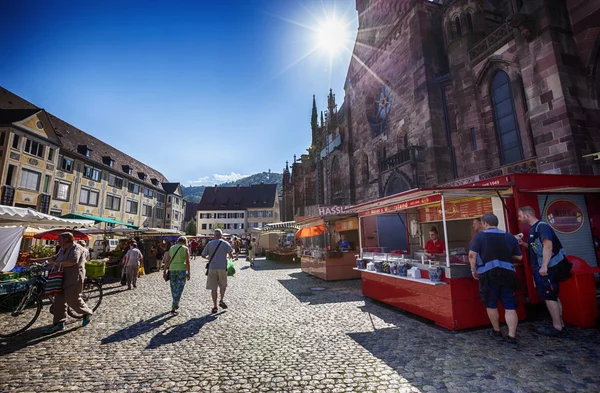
x: 86, y: 252
x: 252, y: 251
x: 477, y: 227
x: 194, y: 247
x: 545, y: 252
x: 70, y: 259
x: 177, y: 263
x: 133, y: 260
x: 217, y: 251
x: 491, y: 254
x: 435, y: 245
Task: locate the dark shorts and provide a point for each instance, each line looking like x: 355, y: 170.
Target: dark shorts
x: 546, y: 286
x: 494, y: 293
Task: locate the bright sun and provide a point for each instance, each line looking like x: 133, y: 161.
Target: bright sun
x: 332, y: 35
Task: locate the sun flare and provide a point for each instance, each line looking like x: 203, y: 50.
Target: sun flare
x: 332, y: 35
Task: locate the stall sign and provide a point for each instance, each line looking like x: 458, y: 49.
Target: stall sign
x: 346, y: 225
x: 564, y: 216
x: 457, y: 210
x: 402, y: 205
x: 332, y: 210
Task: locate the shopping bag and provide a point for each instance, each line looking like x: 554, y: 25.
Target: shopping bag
x: 54, y: 282
x: 141, y: 271
x: 230, y: 267
x: 124, y: 277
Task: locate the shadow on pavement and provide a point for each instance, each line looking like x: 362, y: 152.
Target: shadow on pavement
x: 33, y: 337
x: 313, y: 290
x: 137, y: 329
x: 180, y: 332
x: 262, y: 263
x: 428, y: 355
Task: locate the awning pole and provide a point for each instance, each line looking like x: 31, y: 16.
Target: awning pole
x: 359, y: 238
x: 445, y: 232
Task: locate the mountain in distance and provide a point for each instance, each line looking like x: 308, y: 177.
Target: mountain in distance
x: 194, y: 193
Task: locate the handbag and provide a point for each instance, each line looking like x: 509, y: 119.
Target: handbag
x: 211, y: 257
x: 54, y: 281
x: 168, y: 276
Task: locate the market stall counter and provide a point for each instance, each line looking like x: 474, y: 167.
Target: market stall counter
x: 326, y: 245
x: 414, y: 254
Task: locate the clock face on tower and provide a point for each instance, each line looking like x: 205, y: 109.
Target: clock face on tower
x: 384, y: 103
x: 379, y: 108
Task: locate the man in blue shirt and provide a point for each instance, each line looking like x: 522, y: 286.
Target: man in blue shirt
x: 491, y: 254
x: 344, y: 244
x: 545, y: 251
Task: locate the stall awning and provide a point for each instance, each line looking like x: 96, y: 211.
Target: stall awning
x: 422, y: 197
x: 97, y: 219
x: 18, y: 216
x: 315, y: 230
x: 282, y: 225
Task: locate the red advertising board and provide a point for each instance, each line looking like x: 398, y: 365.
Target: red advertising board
x: 564, y: 216
x: 402, y: 205
x: 456, y: 210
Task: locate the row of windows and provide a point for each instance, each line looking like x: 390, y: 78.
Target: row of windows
x: 222, y: 215
x: 260, y: 214
x: 258, y: 224
x: 67, y: 164
x: 31, y: 147
x: 225, y: 226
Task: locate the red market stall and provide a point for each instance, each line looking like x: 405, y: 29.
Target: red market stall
x: 393, y: 231
x: 320, y: 246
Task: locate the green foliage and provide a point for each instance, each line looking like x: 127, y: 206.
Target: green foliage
x: 41, y: 251
x: 190, y: 228
x: 194, y: 193
x: 219, y: 226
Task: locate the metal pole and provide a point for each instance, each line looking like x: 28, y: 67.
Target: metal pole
x: 359, y: 238
x: 445, y: 232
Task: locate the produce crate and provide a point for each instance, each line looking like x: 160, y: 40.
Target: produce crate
x: 95, y: 269
x: 6, y: 276
x: 12, y: 286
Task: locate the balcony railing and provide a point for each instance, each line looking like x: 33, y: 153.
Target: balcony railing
x: 490, y: 43
x: 394, y: 161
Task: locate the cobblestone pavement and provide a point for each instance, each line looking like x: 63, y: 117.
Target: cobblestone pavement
x: 280, y: 335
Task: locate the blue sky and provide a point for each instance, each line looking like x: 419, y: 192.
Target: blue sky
x: 201, y: 90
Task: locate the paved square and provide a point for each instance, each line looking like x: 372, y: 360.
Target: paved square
x: 281, y: 335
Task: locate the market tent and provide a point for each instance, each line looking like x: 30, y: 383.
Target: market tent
x: 54, y: 233
x: 311, y: 231
x: 19, y: 216
x: 98, y: 219
x: 10, y: 242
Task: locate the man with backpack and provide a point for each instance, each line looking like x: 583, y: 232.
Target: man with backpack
x: 217, y: 251
x: 548, y: 259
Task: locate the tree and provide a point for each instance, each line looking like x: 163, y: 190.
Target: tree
x: 219, y: 226
x: 191, y: 228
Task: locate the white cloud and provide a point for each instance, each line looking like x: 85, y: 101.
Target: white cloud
x: 216, y: 179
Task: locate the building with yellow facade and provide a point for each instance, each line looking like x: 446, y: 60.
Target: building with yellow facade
x: 51, y: 166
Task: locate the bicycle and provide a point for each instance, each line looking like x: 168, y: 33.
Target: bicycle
x: 20, y: 310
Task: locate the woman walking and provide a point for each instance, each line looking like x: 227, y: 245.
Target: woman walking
x: 177, y: 263
x: 133, y: 259
x: 252, y: 251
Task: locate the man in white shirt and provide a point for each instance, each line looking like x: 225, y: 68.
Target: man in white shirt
x: 217, y: 251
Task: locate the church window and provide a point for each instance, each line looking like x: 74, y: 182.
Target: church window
x: 505, y: 118
x: 457, y: 28
x: 469, y: 22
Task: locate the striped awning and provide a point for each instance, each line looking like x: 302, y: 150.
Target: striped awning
x: 281, y: 225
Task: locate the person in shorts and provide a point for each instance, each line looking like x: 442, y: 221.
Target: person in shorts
x: 545, y: 251
x: 491, y: 254
x: 217, y: 251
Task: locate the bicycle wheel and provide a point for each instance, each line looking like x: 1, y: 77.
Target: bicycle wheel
x: 92, y: 296
x: 18, y: 312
